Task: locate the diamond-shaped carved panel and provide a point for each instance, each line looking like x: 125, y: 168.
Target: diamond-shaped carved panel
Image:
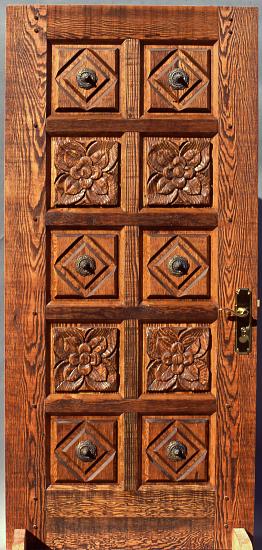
x: 177, y: 172
x: 176, y: 359
x: 175, y: 449
x: 86, y: 359
x: 85, y: 171
x: 85, y: 78
x: 176, y: 265
x: 85, y: 264
x: 190, y: 90
x: 84, y: 449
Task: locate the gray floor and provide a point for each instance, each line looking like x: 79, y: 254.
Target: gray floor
x: 4, y: 3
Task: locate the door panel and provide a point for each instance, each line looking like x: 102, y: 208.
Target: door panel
x: 85, y: 172
x: 176, y: 265
x: 161, y: 64
x: 133, y: 417
x: 75, y: 89
x: 176, y: 358
x: 176, y: 449
x: 178, y: 172
x: 85, y: 450
x: 86, y: 358
x: 86, y: 264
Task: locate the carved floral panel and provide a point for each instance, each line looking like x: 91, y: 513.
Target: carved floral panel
x: 86, y: 172
x: 85, y: 359
x: 178, y: 359
x: 179, y: 172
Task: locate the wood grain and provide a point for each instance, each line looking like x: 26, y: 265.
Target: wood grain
x: 181, y: 218
x: 198, y: 311
x: 131, y: 78
x: 237, y: 249
x: 185, y: 502
x: 183, y: 404
x: 138, y: 499
x: 25, y: 267
x: 120, y: 533
x: 130, y: 171
x: 132, y: 369
x: 143, y: 22
x: 132, y: 436
x: 131, y: 267
x: 191, y: 125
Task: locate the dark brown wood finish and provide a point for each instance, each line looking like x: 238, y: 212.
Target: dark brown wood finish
x: 117, y: 342
x: 25, y: 193
x: 142, y: 22
x: 205, y: 219
x: 236, y: 383
x: 179, y: 125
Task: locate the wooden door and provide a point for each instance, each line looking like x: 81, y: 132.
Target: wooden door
x: 131, y: 173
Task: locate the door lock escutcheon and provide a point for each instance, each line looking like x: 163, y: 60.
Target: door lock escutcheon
x: 243, y: 318
x: 243, y: 304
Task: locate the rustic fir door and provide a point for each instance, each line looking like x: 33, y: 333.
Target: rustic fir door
x: 131, y: 168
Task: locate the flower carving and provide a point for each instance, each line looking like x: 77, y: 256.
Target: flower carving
x: 178, y: 359
x: 86, y: 359
x: 179, y: 172
x: 86, y: 174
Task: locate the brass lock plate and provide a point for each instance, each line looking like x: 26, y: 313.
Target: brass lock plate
x: 243, y: 343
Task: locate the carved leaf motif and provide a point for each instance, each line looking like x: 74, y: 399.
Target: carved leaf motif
x: 85, y: 359
x: 179, y: 172
x: 179, y: 359
x: 87, y: 173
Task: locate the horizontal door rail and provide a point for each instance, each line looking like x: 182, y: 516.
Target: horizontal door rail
x: 181, y: 218
x: 76, y: 125
x: 182, y: 312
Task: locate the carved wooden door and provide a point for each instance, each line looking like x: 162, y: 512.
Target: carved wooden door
x: 131, y: 222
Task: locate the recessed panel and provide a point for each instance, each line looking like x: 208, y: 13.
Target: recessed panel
x: 85, y: 264
x: 175, y: 449
x: 176, y: 265
x: 85, y: 78
x: 177, y: 78
x: 84, y: 449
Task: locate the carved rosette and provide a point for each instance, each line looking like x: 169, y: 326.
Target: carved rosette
x: 86, y: 359
x: 179, y: 172
x: 87, y: 173
x: 179, y: 359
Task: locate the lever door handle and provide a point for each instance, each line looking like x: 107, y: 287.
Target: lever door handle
x: 238, y: 312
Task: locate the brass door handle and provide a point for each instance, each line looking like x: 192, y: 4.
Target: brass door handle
x: 243, y: 315
x: 238, y: 312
